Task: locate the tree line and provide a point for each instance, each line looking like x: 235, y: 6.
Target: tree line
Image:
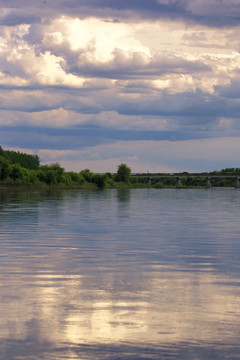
x: 18, y: 168
x: 27, y: 161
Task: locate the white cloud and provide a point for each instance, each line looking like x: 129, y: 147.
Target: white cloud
x: 111, y: 119
x: 71, y: 51
x: 138, y: 76
x: 94, y: 38
x: 22, y: 63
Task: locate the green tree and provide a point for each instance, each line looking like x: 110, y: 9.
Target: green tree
x: 109, y: 179
x: 87, y: 175
x: 76, y: 178
x: 51, y: 174
x: 32, y: 177
x: 27, y: 161
x: 99, y: 180
x: 4, y: 168
x: 123, y: 174
x: 51, y: 177
x: 66, y: 179
x: 17, y: 172
x: 1, y: 151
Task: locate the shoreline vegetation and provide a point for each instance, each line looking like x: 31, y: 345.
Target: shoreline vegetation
x: 23, y: 171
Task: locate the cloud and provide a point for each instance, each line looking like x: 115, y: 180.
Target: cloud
x: 69, y: 52
x: 210, y: 13
x: 28, y: 101
x: 155, y: 156
x: 135, y: 65
x: 13, y: 17
x: 223, y: 8
x: 84, y: 75
x: 230, y: 91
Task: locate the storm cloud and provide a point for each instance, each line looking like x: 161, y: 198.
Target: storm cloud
x: 219, y: 13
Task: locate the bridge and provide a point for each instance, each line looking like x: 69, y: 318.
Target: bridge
x: 179, y: 177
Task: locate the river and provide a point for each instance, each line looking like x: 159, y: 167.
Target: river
x: 120, y: 274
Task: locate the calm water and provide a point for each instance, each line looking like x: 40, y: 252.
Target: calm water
x: 130, y: 274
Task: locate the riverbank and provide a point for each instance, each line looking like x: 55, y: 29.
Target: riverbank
x: 24, y: 171
x: 91, y: 186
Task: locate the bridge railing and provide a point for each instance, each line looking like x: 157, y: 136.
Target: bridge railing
x: 181, y: 176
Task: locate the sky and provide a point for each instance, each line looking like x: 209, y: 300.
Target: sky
x: 92, y: 84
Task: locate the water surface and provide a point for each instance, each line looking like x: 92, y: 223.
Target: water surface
x: 120, y: 274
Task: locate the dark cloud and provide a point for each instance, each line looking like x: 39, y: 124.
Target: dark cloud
x: 210, y: 13
x: 194, y: 113
x: 13, y: 17
x: 54, y: 139
x: 28, y: 102
x: 134, y: 66
x: 231, y: 91
x: 190, y: 110
x: 213, y: 13
x: 198, y: 11
x: 84, y: 137
x: 145, y: 8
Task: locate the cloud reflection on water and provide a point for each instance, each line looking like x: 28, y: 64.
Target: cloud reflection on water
x: 171, y: 308
x: 68, y: 296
